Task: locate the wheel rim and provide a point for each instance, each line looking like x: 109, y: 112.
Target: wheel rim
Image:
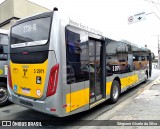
x: 3, y: 94
x: 115, y: 91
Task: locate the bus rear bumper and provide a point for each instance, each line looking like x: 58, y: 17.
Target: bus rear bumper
x: 48, y: 106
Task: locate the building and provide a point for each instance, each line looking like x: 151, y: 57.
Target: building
x: 12, y: 10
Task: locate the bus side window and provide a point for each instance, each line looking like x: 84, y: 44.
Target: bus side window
x: 139, y: 58
x: 143, y: 58
x: 135, y: 62
x: 109, y: 71
x: 76, y: 57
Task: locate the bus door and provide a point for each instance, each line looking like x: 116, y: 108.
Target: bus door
x: 130, y: 62
x: 95, y: 64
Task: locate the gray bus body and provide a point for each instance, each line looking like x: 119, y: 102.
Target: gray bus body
x: 61, y: 67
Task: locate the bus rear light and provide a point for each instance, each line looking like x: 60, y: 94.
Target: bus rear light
x: 53, y: 80
x: 9, y: 78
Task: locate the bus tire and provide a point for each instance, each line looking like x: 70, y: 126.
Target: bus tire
x: 115, y: 92
x: 3, y: 94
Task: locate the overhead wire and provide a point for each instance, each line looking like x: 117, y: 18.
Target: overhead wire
x: 151, y: 1
x: 155, y: 5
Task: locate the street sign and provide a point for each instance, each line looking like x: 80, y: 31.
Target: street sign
x: 136, y: 17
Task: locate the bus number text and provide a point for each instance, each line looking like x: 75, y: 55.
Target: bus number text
x: 39, y: 71
x: 29, y: 28
x: 115, y: 68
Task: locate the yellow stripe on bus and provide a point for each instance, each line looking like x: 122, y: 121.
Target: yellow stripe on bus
x: 77, y: 99
x: 127, y: 81
x: 108, y: 87
x: 80, y: 98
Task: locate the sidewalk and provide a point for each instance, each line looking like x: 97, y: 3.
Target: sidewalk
x: 145, y: 105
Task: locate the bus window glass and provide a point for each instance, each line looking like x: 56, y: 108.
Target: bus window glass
x: 77, y: 55
x: 139, y: 58
x: 135, y: 57
x: 143, y: 58
x: 118, y: 58
x: 34, y: 30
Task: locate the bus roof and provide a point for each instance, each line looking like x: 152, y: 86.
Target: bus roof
x: 28, y: 18
x: 66, y: 18
x: 135, y: 45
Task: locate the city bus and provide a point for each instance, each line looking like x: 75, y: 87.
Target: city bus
x: 3, y: 67
x: 61, y: 67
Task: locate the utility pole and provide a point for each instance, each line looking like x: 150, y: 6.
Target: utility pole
x: 158, y: 65
x: 158, y: 53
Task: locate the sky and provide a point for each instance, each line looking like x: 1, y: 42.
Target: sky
x: 111, y: 17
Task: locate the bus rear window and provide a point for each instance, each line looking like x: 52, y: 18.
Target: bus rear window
x: 31, y: 33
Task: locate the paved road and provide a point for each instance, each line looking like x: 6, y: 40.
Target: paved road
x: 15, y: 112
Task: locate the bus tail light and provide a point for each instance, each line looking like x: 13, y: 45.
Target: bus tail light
x: 9, y: 78
x: 53, y: 80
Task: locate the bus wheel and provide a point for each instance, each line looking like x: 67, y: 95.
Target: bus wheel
x: 146, y: 77
x: 115, y: 91
x: 3, y: 94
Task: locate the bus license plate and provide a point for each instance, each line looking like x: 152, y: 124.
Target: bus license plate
x: 26, y: 91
